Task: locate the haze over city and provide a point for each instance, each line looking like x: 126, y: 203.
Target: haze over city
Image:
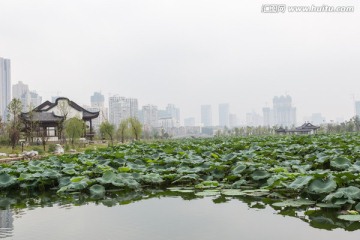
x: 188, y: 53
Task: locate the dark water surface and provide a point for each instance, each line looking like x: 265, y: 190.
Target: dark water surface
x: 167, y: 217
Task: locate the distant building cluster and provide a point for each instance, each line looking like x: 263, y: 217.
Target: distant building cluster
x: 282, y: 113
x: 121, y: 108
x: 29, y: 99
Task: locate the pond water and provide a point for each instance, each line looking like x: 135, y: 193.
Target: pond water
x: 164, y: 216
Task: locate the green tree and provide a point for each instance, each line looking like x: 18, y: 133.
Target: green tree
x: 107, y: 130
x: 4, y: 138
x: 356, y: 121
x: 31, y: 125
x: 135, y: 127
x: 123, y: 130
x: 74, y: 129
x: 64, y: 109
x: 14, y: 123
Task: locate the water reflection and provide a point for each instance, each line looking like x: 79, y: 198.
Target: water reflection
x: 16, y: 204
x: 6, y: 223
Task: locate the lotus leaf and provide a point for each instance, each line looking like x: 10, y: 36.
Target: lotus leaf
x: 6, y: 202
x: 108, y: 177
x: 319, y: 186
x: 276, y: 180
x: 50, y: 173
x: 355, y: 167
x: 184, y: 191
x: 344, y: 195
x: 153, y: 178
x: 63, y: 181
x: 109, y: 202
x: 260, y: 174
x: 187, y: 178
x: 207, y: 184
x: 232, y: 192
x: 124, y: 169
x: 70, y: 171
x: 294, y: 203
x: 6, y: 180
x: 75, y: 185
x: 35, y: 168
x: 300, y: 182
x: 357, y: 207
x: 97, y: 191
x: 239, y: 169
x: 328, y: 205
x: 256, y: 192
x: 350, y: 217
x: 229, y: 157
x: 25, y: 177
x: 77, y: 179
x: 207, y: 193
x: 340, y: 163
x: 239, y: 183
x: 126, y: 182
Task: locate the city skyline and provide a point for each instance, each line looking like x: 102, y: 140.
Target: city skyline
x: 171, y: 115
x: 98, y: 102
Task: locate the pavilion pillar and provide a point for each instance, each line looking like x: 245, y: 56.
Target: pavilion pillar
x: 91, y: 136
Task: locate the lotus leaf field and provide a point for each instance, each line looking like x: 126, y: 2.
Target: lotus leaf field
x: 318, y: 171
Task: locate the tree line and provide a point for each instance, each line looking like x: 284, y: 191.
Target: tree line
x: 128, y: 129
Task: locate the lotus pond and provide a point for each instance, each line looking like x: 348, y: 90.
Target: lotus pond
x: 312, y: 178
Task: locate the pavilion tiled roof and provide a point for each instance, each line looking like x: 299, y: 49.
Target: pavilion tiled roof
x: 41, y: 117
x: 45, y: 107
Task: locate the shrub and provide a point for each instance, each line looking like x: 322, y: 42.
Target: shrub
x: 39, y: 150
x: 51, y: 148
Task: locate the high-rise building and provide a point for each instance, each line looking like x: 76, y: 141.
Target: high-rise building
x: 170, y: 117
x: 253, y: 119
x: 98, y: 105
x: 233, y: 120
x: 19, y: 89
x: 189, y: 122
x: 224, y: 111
x: 97, y: 100
x: 267, y: 116
x: 121, y: 108
x: 133, y: 106
x: 30, y: 100
x: 5, y: 86
x: 283, y: 113
x: 317, y: 119
x: 173, y: 111
x: 206, y: 116
x: 150, y: 116
x: 357, y: 108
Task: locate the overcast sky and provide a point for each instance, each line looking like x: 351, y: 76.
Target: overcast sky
x: 186, y: 52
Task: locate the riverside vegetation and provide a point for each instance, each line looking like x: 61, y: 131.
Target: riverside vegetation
x: 315, y: 172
